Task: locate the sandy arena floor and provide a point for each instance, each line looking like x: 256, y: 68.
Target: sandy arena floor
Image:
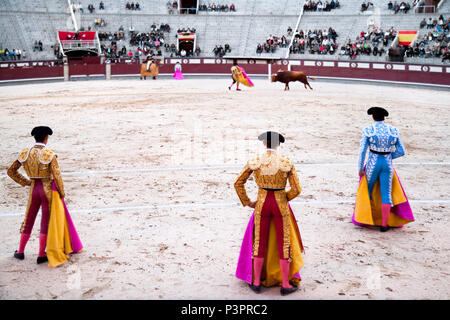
x: 157, y: 224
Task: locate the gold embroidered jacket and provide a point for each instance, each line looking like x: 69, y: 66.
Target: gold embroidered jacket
x: 39, y: 163
x: 270, y: 170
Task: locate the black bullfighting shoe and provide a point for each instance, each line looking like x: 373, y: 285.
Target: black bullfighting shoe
x: 256, y: 289
x: 19, y: 256
x: 285, y: 291
x: 238, y: 89
x: 42, y: 260
x: 384, y: 229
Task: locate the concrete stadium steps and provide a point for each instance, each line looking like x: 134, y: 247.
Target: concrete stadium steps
x: 35, y: 6
x: 25, y: 32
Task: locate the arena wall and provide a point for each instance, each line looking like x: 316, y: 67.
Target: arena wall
x: 375, y: 71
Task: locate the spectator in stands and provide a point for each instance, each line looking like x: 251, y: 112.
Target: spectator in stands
x: 423, y: 23
x: 227, y: 48
x: 101, y: 6
x: 289, y: 31
x: 365, y: 6
x: 233, y: 7
x: 91, y: 8
x: 446, y: 54
x: 430, y: 23
x: 197, y: 51
x: 41, y: 46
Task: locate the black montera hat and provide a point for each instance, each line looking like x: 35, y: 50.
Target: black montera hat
x: 41, y: 131
x: 271, y: 136
x: 378, y: 111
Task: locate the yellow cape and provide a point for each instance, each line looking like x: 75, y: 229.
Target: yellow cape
x: 58, y: 236
x: 369, y: 211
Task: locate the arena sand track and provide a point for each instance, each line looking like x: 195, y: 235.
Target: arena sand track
x: 152, y: 232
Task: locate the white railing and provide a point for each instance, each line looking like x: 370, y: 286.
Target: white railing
x: 72, y: 14
x: 420, y: 8
x: 79, y: 44
x: 440, y: 4
x: 294, y: 32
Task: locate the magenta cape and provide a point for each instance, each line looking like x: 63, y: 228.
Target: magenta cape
x: 244, y: 270
x: 247, y: 77
x: 368, y: 212
x: 178, y: 75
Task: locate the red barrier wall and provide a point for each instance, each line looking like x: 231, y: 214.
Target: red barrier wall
x: 382, y: 71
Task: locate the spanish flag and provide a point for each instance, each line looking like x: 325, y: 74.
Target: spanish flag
x: 406, y: 37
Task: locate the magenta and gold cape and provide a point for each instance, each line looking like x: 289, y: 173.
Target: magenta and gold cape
x: 62, y: 238
x: 271, y: 274
x: 368, y: 212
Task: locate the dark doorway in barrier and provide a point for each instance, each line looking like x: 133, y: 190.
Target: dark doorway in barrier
x: 188, y: 6
x: 186, y: 45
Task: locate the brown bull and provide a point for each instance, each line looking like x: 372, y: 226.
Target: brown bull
x: 288, y: 76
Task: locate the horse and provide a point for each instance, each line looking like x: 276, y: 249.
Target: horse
x: 288, y: 76
x: 149, y: 68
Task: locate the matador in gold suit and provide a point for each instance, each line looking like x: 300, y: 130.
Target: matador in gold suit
x: 271, y: 172
x: 41, y: 166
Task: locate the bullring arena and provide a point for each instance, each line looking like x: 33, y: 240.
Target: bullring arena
x: 149, y: 168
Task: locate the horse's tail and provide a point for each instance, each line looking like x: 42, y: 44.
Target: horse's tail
x: 311, y: 78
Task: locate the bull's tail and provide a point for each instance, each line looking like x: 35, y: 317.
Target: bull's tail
x: 311, y: 78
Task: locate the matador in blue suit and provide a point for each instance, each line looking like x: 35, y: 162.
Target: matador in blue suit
x: 384, y: 144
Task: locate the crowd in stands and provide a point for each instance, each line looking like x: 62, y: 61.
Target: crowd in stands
x: 186, y: 30
x: 12, y: 55
x: 133, y: 6
x: 172, y: 6
x: 374, y: 42
x: 100, y: 22
x: 399, y: 7
x: 435, y: 43
x: 365, y: 6
x: 272, y: 44
x: 220, y: 51
x: 117, y: 35
x: 317, y: 41
x: 212, y: 7
x: 320, y: 6
x: 90, y: 7
x: 38, y: 46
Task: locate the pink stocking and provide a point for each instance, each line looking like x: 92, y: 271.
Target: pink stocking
x: 385, y: 211
x: 23, y: 242
x: 42, y: 244
x: 257, y: 268
x: 285, y: 264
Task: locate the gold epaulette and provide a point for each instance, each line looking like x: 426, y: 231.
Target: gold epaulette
x: 46, y: 156
x: 23, y: 155
x: 254, y: 163
x: 285, y: 163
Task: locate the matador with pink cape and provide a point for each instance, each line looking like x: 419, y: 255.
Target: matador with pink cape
x: 58, y: 237
x: 271, y: 251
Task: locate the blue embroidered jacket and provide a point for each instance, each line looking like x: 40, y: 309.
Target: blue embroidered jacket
x: 380, y: 137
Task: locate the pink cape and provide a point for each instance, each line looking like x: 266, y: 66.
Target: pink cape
x: 402, y: 210
x: 244, y: 270
x: 247, y: 77
x: 178, y: 75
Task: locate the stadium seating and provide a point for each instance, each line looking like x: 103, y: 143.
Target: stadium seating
x: 252, y: 23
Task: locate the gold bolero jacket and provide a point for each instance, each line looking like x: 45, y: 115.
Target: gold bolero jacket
x: 39, y: 163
